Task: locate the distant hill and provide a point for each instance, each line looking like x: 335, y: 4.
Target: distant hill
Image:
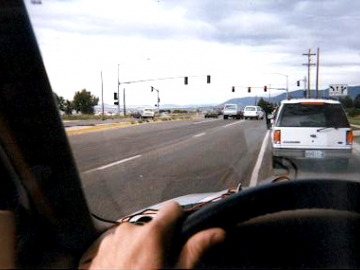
x: 245, y: 101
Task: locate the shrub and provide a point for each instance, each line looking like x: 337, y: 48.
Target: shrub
x: 354, y: 112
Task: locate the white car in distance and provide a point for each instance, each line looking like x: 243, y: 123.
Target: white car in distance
x: 232, y: 110
x: 147, y: 113
x: 253, y: 112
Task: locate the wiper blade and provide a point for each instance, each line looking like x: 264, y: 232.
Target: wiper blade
x: 321, y: 129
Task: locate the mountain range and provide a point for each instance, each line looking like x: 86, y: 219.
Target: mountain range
x: 353, y: 91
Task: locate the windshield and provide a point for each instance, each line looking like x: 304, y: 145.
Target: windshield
x: 108, y: 60
x: 230, y: 107
x: 307, y: 115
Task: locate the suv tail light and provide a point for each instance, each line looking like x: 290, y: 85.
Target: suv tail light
x: 349, y: 137
x: 277, y: 136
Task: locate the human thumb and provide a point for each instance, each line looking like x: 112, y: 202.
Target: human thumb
x: 197, y: 245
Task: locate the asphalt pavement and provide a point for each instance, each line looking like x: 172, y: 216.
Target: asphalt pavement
x: 128, y: 168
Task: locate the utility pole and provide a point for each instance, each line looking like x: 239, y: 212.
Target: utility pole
x: 102, y: 96
x: 308, y: 64
x: 317, y: 72
x: 118, y: 93
x: 124, y: 103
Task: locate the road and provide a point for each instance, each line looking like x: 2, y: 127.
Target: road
x: 153, y: 162
x: 126, y: 169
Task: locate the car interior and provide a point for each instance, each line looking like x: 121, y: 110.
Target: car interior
x: 312, y: 223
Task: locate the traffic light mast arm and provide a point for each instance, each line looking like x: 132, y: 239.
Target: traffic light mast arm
x: 258, y: 87
x: 166, y: 78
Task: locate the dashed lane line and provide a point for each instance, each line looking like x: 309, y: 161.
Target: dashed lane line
x: 228, y: 125
x: 206, y: 121
x: 112, y: 164
x: 199, y: 135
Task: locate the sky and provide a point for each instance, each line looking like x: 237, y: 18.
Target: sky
x: 240, y: 43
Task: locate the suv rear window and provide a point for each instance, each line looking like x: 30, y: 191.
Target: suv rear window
x: 230, y: 107
x: 250, y: 109
x: 312, y: 115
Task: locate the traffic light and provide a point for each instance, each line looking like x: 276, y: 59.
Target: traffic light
x: 265, y: 88
x: 233, y: 89
x: 152, y: 88
x: 186, y: 80
x: 115, y: 96
x: 249, y: 89
x: 116, y: 103
x: 298, y: 83
x: 208, y: 79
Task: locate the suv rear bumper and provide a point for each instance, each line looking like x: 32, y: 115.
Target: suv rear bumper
x: 304, y: 153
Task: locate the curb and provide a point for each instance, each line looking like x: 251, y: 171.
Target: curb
x: 102, y: 127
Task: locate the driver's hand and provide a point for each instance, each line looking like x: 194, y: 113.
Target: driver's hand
x: 130, y: 246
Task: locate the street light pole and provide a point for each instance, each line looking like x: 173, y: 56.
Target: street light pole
x: 287, y: 82
x: 269, y: 93
x: 102, y: 96
x: 118, y: 92
x: 287, y: 87
x: 124, y: 103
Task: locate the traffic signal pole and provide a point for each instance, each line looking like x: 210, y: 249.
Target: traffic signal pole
x: 158, y: 97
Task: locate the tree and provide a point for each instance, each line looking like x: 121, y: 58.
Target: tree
x: 84, y: 102
x: 266, y: 106
x: 357, y: 101
x: 68, y: 107
x: 60, y: 102
x: 346, y: 101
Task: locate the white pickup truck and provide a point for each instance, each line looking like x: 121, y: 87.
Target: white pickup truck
x: 232, y: 110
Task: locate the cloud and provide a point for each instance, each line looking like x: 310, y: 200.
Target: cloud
x: 235, y: 41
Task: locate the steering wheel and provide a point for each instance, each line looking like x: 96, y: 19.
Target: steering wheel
x: 323, y: 232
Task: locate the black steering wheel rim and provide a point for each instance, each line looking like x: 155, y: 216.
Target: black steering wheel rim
x: 276, y: 197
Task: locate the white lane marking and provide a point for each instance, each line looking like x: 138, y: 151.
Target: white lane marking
x: 206, y: 121
x: 112, y: 164
x: 228, y: 125
x: 199, y: 135
x: 255, y: 173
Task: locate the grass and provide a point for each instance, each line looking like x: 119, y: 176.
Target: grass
x: 100, y: 117
x: 90, y: 117
x: 355, y: 120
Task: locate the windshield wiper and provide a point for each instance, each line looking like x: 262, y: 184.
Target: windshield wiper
x: 321, y: 129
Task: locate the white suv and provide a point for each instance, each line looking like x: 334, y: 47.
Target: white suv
x: 253, y: 112
x: 311, y: 129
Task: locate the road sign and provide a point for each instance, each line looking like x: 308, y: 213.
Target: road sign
x: 338, y: 90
